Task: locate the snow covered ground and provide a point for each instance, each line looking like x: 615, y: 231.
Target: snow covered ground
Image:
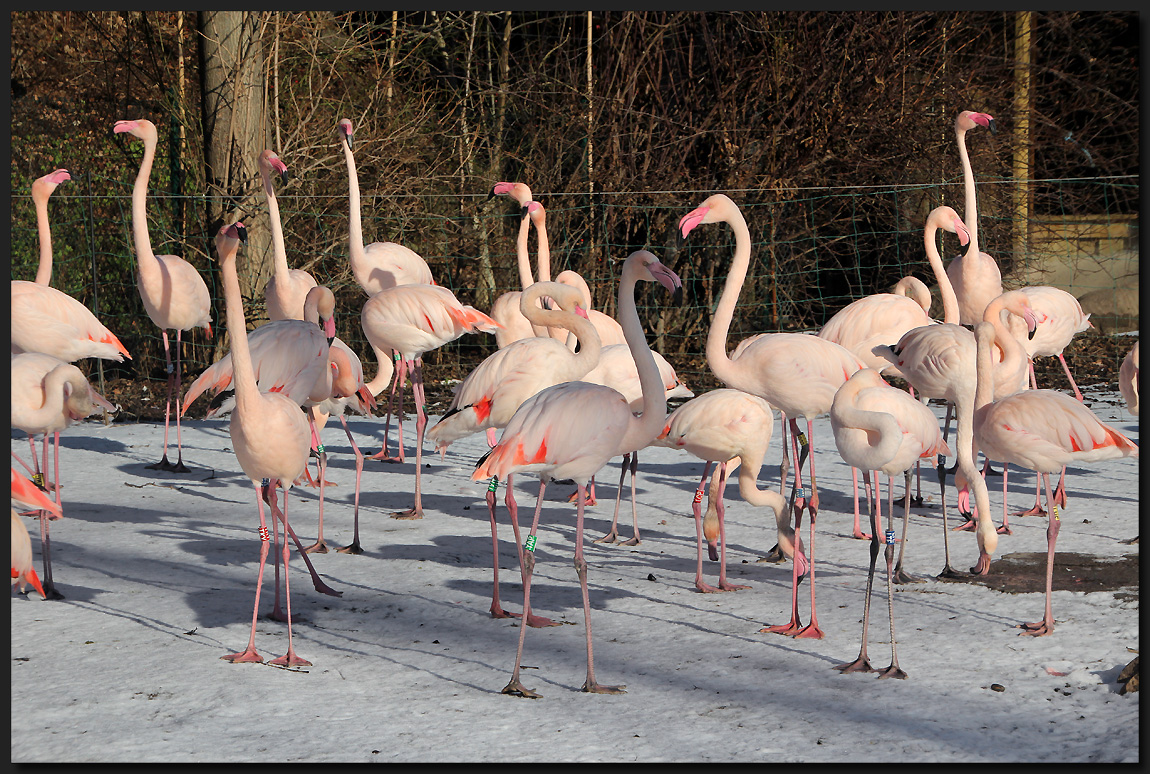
x: 159, y: 570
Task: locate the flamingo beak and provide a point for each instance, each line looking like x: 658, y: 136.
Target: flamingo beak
x: 366, y: 398
x: 993, y: 129
x: 693, y: 218
x: 242, y: 233
x: 961, y: 231
x: 1031, y: 323
x: 579, y: 310
x: 123, y: 126
x: 329, y: 328
x: 668, y: 279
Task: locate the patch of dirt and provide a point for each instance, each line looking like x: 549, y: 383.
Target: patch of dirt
x: 1022, y: 572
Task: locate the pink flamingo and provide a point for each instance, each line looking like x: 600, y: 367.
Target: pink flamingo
x: 796, y: 373
x: 375, y: 267
x: 269, y: 434
x: 1128, y: 379
x: 732, y: 428
x: 174, y: 293
x: 609, y: 330
x: 27, y: 495
x: 285, y: 292
x: 883, y: 318
x: 571, y: 430
x: 505, y: 309
x: 616, y: 369
x: 42, y: 188
x: 975, y: 275
x: 1042, y: 430
x: 878, y: 427
x: 413, y: 319
x: 938, y: 360
x: 48, y: 395
x: 488, y: 397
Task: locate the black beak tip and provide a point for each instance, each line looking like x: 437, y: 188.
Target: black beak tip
x: 242, y: 233
x: 677, y: 296
x: 992, y: 126
x: 284, y: 177
x: 523, y: 212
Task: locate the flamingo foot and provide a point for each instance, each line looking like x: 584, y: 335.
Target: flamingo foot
x: 249, y: 656
x: 810, y: 632
x: 163, y: 464
x: 1036, y: 629
x: 50, y: 592
x: 610, y: 537
x: 1036, y: 510
x: 318, y: 547
x: 1004, y: 530
x: 323, y: 588
x: 179, y: 467
x: 892, y: 671
x: 858, y: 534
x: 593, y: 687
x: 354, y: 548
x: 774, y: 556
x: 539, y: 622
x: 290, y: 659
x: 588, y: 502
x: 632, y: 541
x: 916, y: 501
x: 950, y: 572
x: 409, y: 514
x: 789, y: 629
x: 383, y: 456
x: 967, y: 526
x: 902, y: 576
x: 860, y: 664
x: 725, y: 586
x: 515, y: 688
x: 706, y: 588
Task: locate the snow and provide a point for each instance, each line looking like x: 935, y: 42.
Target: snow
x: 158, y: 570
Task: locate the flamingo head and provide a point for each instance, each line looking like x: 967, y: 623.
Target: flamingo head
x: 226, y: 238
x: 273, y: 161
x: 43, y: 187
x: 139, y: 127
x: 517, y: 191
x: 345, y: 130
x: 968, y: 119
x: 716, y: 207
x: 654, y: 271
x: 536, y: 212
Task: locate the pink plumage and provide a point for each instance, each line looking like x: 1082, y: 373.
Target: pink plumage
x: 47, y: 320
x: 286, y: 289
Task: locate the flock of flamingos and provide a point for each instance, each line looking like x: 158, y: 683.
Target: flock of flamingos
x: 570, y: 388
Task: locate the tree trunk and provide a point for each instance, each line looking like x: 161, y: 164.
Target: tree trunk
x: 234, y: 124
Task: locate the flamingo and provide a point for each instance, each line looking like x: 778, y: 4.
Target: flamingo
x: 173, y: 292
x: 48, y: 395
x: 975, y: 275
x: 938, y: 360
x: 285, y: 292
x: 488, y: 397
x: 1128, y: 379
x: 269, y: 434
x: 609, y: 330
x: 796, y: 373
x: 505, y: 309
x: 27, y: 495
x: 413, y: 319
x: 878, y: 427
x: 378, y: 266
x: 571, y: 430
x: 883, y: 318
x: 42, y: 188
x: 1060, y: 319
x: 732, y: 428
x: 617, y: 369
x: 48, y: 320
x: 1042, y: 430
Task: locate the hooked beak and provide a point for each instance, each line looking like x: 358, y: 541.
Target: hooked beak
x: 242, y: 233
x: 668, y: 279
x: 329, y: 328
x: 693, y: 218
x: 992, y: 126
x: 524, y: 212
x: 1031, y: 323
x: 962, y: 232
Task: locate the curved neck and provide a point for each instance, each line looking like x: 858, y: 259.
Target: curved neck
x: 716, y: 348
x: 642, y: 431
x: 279, y: 251
x: 970, y: 207
x: 44, y: 272
x: 354, y: 225
x: 965, y: 410
x: 916, y: 290
x: 243, y: 374
x: 950, y: 312
x: 383, y: 374
x: 53, y: 407
x: 145, y: 258
x: 846, y: 412
x: 522, y: 254
x: 579, y: 328
x: 1012, y: 357
x: 984, y: 367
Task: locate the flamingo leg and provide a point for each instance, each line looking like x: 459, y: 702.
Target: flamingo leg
x: 721, y: 509
x: 1036, y: 509
x: 416, y: 511
x: 320, y: 545
x: 163, y: 464
x: 249, y: 654
x: 177, y: 383
x: 316, y: 582
x: 947, y: 571
x: 355, y: 547
x: 397, y: 381
x: 1066, y: 368
x: 696, y: 507
x: 811, y: 630
x: 290, y: 658
x: 590, y: 685
x: 900, y: 576
x: 1005, y: 528
x: 1053, y: 524
x: 514, y: 687
x: 796, y: 507
x: 862, y: 664
x: 893, y: 670
x: 857, y: 532
x: 277, y: 613
x: 496, y: 608
x: 49, y: 586
x: 537, y: 621
x: 612, y: 535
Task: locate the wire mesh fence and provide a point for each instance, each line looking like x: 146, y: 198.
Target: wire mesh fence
x: 813, y: 252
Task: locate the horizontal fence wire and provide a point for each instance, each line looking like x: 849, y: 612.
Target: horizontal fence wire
x: 814, y: 250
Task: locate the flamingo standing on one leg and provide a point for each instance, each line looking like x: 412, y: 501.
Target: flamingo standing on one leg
x: 878, y: 427
x: 488, y: 397
x: 269, y: 434
x: 286, y: 290
x: 571, y: 430
x: 1042, y: 430
x: 975, y: 275
x: 174, y: 294
x: 377, y: 266
x: 796, y: 373
x: 883, y: 318
x: 27, y: 495
x: 413, y: 319
x: 732, y: 428
x: 48, y: 395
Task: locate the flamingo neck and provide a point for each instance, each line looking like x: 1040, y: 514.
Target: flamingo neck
x: 356, y: 251
x: 523, y: 255
x: 279, y: 250
x: 970, y: 214
x: 950, y: 311
x: 845, y: 412
x: 543, y: 249
x: 579, y: 328
x: 44, y: 272
x: 965, y: 451
x: 643, y: 430
x: 145, y: 258
x: 1011, y: 358
x: 383, y: 374
x: 243, y: 374
x: 716, y: 348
